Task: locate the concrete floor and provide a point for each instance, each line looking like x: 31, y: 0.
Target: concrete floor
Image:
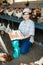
x: 35, y: 53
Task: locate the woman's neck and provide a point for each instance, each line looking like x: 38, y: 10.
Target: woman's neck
x: 26, y: 21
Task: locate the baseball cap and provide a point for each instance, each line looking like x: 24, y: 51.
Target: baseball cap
x: 27, y: 10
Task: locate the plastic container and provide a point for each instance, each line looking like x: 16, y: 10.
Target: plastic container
x: 16, y: 53
x: 15, y: 43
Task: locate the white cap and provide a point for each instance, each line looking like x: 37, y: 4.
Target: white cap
x: 27, y: 10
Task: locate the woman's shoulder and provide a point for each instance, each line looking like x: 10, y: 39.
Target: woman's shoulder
x: 30, y: 21
x: 22, y: 22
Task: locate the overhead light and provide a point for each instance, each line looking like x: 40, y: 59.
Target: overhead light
x: 10, y: 1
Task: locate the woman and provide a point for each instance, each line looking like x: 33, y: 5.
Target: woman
x: 27, y: 28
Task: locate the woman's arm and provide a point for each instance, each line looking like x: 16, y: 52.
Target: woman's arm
x: 24, y: 37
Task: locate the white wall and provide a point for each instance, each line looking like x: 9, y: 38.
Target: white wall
x: 31, y: 4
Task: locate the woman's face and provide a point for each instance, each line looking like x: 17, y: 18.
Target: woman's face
x: 26, y: 16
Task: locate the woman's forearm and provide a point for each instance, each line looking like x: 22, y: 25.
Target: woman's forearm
x: 27, y: 36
